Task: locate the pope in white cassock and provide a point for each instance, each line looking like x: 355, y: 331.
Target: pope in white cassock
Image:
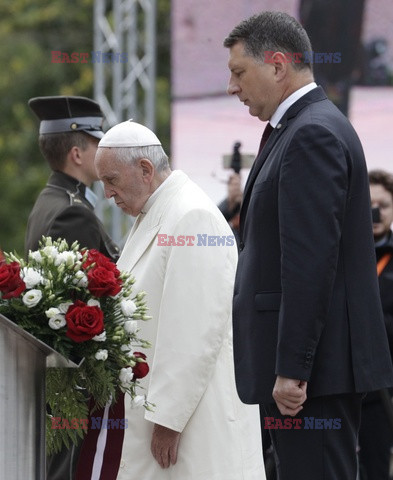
x: 182, y: 253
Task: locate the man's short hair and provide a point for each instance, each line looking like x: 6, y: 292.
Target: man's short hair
x: 381, y: 177
x: 272, y: 31
x: 55, y: 146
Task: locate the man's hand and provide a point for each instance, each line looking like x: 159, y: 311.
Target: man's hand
x: 289, y: 395
x: 164, y: 445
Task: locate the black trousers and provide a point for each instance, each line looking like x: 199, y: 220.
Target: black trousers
x: 375, y: 441
x: 320, y: 442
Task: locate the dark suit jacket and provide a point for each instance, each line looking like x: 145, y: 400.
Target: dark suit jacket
x: 62, y: 211
x: 306, y: 302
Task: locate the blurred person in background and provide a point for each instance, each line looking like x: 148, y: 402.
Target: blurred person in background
x: 334, y: 28
x: 376, y: 428
x: 230, y: 206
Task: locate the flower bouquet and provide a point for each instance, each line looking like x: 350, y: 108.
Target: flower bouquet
x: 80, y: 304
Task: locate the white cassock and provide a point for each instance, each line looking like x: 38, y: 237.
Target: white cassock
x: 191, y: 380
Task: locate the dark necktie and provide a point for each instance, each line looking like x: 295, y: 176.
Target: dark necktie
x: 253, y: 173
x: 256, y: 165
x: 266, y: 134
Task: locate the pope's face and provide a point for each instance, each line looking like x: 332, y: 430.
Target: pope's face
x: 254, y: 83
x: 125, y: 183
x: 382, y: 198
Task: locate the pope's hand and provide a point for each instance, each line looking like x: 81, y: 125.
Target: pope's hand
x: 289, y: 395
x: 164, y: 445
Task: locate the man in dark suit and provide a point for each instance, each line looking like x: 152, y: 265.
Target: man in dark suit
x: 309, y: 335
x: 70, y: 129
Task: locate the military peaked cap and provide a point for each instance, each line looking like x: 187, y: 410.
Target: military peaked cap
x: 63, y: 114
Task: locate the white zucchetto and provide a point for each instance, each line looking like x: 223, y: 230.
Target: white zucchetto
x: 129, y: 134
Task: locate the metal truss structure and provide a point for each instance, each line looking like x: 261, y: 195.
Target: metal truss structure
x: 124, y: 78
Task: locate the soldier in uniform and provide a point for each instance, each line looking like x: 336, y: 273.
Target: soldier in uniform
x: 70, y: 129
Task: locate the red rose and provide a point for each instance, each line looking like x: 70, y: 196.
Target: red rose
x: 11, y: 285
x: 103, y: 282
x: 84, y: 322
x: 141, y: 369
x: 100, y: 260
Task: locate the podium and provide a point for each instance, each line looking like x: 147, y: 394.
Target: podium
x: 23, y: 361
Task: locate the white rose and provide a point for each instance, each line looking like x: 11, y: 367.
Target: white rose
x: 92, y: 302
x: 63, y: 307
x: 56, y: 322
x: 50, y: 252
x: 126, y: 375
x: 52, y: 312
x: 67, y: 257
x: 101, y: 354
x: 36, y: 256
x: 131, y: 326
x: 126, y: 348
x: 128, y: 308
x: 80, y: 279
x: 31, y: 277
x: 100, y: 338
x: 138, y: 401
x: 32, y: 298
